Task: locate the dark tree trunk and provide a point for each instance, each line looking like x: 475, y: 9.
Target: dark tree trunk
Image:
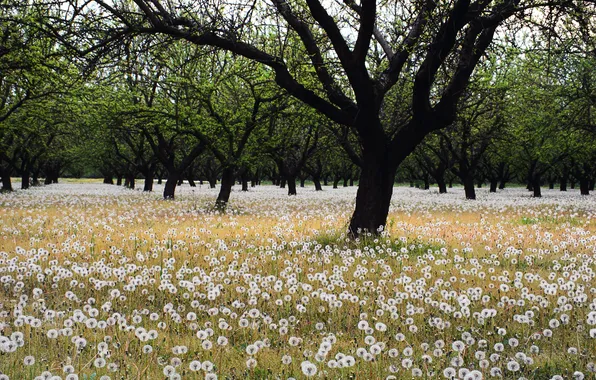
x: 494, y: 183
x: 227, y: 181
x: 159, y: 178
x: 345, y: 184
x: 282, y: 183
x: 375, y: 189
x: 148, y: 185
x: 119, y: 180
x: 451, y: 184
x: 302, y: 180
x: 551, y: 185
x: 536, y: 187
x: 325, y: 181
x: 442, y: 186
x: 6, y: 182
x: 131, y: 182
x: 244, y: 180
x: 412, y: 184
x: 469, y: 188
x: 584, y: 186
x: 180, y: 181
x: 47, y: 181
x: 25, y: 180
x: 169, y: 190
x: 591, y: 185
x: 126, y: 181
x: 572, y: 184
x: 291, y: 185
x: 317, y: 183
x: 336, y: 182
x: 480, y: 185
x: 502, y: 184
x: 351, y: 181
x: 108, y: 180
x: 426, y: 183
x: 212, y: 182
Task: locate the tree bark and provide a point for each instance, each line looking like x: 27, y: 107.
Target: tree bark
x: 317, y: 183
x: 169, y: 190
x: 469, y: 187
x: 6, y: 181
x: 148, y: 185
x: 25, y: 180
x: 494, y: 183
x: 108, y: 180
x: 282, y: 183
x: 291, y: 180
x: 227, y: 181
x: 302, y: 180
x: 536, y: 187
x: 442, y: 186
x: 584, y: 186
x: 119, y: 180
x: 375, y: 189
x: 336, y: 182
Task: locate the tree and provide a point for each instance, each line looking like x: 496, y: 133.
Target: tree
x: 391, y: 99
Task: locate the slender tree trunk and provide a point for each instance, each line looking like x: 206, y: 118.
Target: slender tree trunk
x: 35, y: 179
x: 148, y: 185
x: 591, y: 185
x: 412, y: 184
x: 536, y: 186
x: 169, y: 190
x: 450, y: 184
x: 180, y: 181
x: 159, y: 178
x: 282, y: 183
x: 317, y: 182
x: 345, y: 184
x: 126, y: 181
x: 119, y: 180
x: 572, y: 184
x: 291, y: 185
x: 551, y: 185
x: 325, y: 181
x: 469, y: 187
x: 426, y: 183
x: 502, y: 184
x: 442, y: 185
x: 227, y: 181
x: 351, y: 181
x: 494, y: 183
x: 25, y: 180
x: 584, y: 186
x: 212, y: 181
x: 336, y: 182
x: 6, y: 181
x: 108, y: 180
x: 374, y: 192
x: 191, y: 182
x: 302, y: 180
x: 244, y: 180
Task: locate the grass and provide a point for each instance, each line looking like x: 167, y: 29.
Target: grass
x: 302, y: 245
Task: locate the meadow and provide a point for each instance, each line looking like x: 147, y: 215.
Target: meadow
x: 102, y: 282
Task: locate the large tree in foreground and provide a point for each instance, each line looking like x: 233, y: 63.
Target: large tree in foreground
x: 391, y: 72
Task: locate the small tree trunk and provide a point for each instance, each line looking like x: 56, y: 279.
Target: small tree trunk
x: 426, y: 183
x: 291, y: 185
x: 494, y: 183
x: 336, y: 182
x: 131, y: 182
x: 345, y: 184
x: 227, y: 181
x: 536, y: 187
x: 6, y: 181
x: 119, y: 180
x: 412, y: 184
x: 35, y: 179
x: 180, y: 181
x: 469, y: 187
x: 502, y: 184
x: 572, y: 184
x: 159, y: 178
x: 148, y: 185
x: 584, y: 186
x: 212, y: 181
x: 191, y: 182
x: 170, y: 187
x: 325, y: 181
x: 302, y: 180
x: 551, y: 185
x: 317, y: 183
x: 108, y: 180
x: 244, y: 179
x: 282, y: 183
x: 450, y: 184
x: 351, y: 181
x: 25, y: 180
x: 442, y: 186
x: 591, y: 185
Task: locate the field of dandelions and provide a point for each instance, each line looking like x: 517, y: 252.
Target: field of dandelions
x: 101, y: 282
